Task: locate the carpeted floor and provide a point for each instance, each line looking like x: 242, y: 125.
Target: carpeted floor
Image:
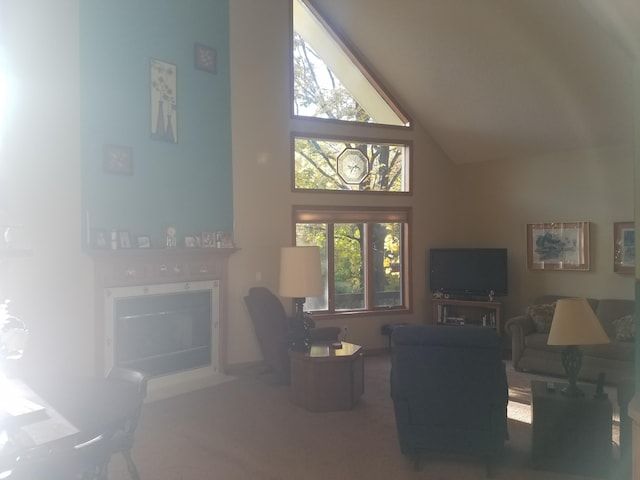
x: 248, y: 429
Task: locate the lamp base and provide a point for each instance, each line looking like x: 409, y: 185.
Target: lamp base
x: 572, y: 390
x: 300, y: 329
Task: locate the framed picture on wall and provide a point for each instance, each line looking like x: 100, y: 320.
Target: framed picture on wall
x: 558, y: 246
x: 624, y: 247
x: 164, y: 101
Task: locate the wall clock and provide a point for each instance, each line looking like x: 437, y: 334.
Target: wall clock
x: 353, y: 166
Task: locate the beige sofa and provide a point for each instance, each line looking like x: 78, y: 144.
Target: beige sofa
x: 530, y: 351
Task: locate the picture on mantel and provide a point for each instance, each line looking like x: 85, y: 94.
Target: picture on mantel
x: 164, y: 105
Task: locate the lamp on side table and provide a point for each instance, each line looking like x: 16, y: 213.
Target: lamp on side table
x: 574, y: 324
x: 300, y: 277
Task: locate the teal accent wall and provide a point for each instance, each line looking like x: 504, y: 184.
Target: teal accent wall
x: 187, y: 185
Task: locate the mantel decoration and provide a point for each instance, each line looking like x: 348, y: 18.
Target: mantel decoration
x: 164, y: 105
x: 624, y: 247
x: 558, y: 246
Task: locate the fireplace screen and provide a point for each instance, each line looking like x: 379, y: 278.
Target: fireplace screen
x: 163, y: 333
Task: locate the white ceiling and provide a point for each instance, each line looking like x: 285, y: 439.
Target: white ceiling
x: 502, y: 79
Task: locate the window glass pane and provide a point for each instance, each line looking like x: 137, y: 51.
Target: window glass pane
x: 328, y: 80
x: 325, y: 164
x: 308, y: 234
x: 349, y: 266
x: 387, y: 264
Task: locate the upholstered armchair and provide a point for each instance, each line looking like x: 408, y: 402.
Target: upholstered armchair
x: 449, y: 390
x: 272, y: 328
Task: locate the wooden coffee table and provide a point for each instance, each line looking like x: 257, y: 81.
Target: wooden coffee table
x: 326, y: 379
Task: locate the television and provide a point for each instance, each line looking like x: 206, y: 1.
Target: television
x: 468, y: 272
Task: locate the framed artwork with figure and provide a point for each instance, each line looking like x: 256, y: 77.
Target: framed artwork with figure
x: 624, y: 247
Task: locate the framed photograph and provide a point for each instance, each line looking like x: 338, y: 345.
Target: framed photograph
x: 164, y: 101
x: 558, y: 246
x: 204, y: 58
x: 143, y: 241
x: 624, y: 247
x: 224, y: 240
x: 118, y: 159
x: 99, y: 238
x: 191, y: 241
x: 124, y: 240
x: 208, y: 239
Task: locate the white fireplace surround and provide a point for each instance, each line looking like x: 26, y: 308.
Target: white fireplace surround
x: 179, y: 382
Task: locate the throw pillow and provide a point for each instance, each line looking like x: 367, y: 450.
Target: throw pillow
x: 625, y: 328
x: 542, y: 316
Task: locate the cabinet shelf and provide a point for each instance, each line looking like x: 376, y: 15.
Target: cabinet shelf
x: 467, y: 312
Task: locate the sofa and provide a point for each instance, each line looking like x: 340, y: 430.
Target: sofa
x: 530, y: 352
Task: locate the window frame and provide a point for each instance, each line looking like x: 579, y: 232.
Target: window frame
x: 331, y: 215
x: 407, y: 167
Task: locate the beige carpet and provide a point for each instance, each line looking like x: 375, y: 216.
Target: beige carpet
x: 247, y: 429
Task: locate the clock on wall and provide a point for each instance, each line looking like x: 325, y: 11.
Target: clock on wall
x: 353, y: 166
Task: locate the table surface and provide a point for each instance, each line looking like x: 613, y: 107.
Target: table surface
x: 325, y: 351
x: 76, y: 409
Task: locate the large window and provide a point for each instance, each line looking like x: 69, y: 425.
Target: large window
x: 364, y: 255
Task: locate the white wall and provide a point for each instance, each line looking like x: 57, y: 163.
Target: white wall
x: 51, y: 289
x: 498, y: 199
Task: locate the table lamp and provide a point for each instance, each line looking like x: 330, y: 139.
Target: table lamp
x: 300, y: 277
x: 574, y: 323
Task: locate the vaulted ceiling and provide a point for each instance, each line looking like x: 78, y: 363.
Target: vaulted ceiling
x: 503, y: 79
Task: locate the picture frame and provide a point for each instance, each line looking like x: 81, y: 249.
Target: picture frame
x: 124, y: 239
x: 558, y: 246
x: 143, y: 241
x: 192, y: 241
x: 118, y: 159
x: 204, y: 58
x: 224, y: 240
x: 164, y: 101
x: 624, y: 247
x: 208, y: 239
x: 99, y: 238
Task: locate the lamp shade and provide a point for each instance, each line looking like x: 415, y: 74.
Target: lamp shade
x: 574, y: 323
x: 300, y: 272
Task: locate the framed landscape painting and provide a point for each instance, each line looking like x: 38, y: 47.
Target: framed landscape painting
x: 558, y: 246
x: 624, y: 247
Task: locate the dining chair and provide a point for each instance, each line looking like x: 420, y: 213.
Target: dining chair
x: 122, y: 439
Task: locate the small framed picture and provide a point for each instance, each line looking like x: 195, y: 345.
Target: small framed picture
x: 204, y: 58
x: 124, y: 239
x: 624, y: 247
x: 118, y: 159
x: 191, y: 241
x: 143, y: 241
x: 208, y: 239
x: 99, y: 238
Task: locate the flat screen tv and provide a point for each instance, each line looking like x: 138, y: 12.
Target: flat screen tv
x: 468, y: 272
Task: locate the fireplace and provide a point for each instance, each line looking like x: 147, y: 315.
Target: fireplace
x: 163, y: 311
x: 162, y: 329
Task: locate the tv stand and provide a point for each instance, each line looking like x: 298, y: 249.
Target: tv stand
x: 467, y: 312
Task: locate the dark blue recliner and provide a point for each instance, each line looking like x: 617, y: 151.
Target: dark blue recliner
x: 449, y: 390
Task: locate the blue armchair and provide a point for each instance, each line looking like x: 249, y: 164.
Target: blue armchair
x: 449, y: 390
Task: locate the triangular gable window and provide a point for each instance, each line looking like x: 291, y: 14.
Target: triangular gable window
x: 329, y: 82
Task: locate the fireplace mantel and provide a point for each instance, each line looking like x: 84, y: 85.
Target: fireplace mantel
x: 132, y: 267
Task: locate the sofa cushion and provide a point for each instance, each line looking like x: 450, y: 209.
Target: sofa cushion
x: 542, y: 316
x: 621, y: 351
x: 538, y: 341
x: 610, y: 309
x: 625, y: 328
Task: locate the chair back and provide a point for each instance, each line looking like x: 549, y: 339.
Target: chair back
x: 272, y: 329
x: 449, y: 388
